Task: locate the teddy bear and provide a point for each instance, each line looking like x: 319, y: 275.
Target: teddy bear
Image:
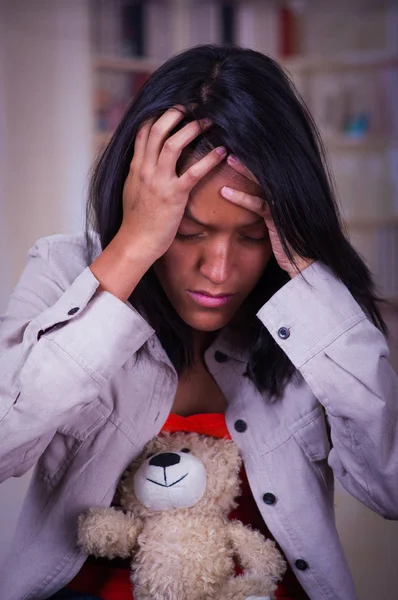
x: 175, y: 499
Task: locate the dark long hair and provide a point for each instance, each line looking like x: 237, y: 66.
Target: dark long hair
x: 260, y: 118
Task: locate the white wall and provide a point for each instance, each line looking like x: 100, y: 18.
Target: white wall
x: 370, y: 542
x: 371, y: 547
x: 46, y: 74
x: 45, y: 146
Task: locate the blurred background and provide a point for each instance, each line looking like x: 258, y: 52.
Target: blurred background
x: 68, y: 70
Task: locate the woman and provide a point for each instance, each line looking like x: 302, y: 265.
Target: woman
x: 219, y: 282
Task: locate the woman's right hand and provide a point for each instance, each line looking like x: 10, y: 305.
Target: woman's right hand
x: 154, y: 196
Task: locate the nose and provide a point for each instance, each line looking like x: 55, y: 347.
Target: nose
x: 166, y: 459
x: 216, y: 262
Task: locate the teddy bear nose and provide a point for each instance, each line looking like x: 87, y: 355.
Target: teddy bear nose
x: 166, y: 459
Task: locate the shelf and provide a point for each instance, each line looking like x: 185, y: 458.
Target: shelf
x: 296, y: 64
x: 371, y: 223
x: 332, y: 142
x: 341, y: 62
x: 368, y: 143
x: 125, y: 65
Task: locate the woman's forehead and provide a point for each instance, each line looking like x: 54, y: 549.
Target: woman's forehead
x: 222, y: 175
x: 207, y: 205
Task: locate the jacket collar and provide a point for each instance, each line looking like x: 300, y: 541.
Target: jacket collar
x: 227, y: 342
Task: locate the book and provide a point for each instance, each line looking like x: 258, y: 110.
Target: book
x: 133, y: 42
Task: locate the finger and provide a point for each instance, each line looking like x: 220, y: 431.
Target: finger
x: 175, y: 144
x: 255, y: 204
x: 235, y: 164
x: 198, y: 170
x: 159, y: 132
x: 141, y: 140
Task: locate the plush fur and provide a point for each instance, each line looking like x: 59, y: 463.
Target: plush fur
x: 178, y: 536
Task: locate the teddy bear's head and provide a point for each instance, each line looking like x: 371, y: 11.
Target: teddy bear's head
x: 180, y: 471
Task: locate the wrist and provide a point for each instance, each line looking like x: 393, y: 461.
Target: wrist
x: 134, y: 248
x: 120, y: 267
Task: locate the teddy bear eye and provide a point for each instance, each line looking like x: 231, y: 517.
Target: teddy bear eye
x: 185, y: 450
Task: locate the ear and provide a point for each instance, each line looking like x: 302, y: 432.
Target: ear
x: 226, y: 453
x: 223, y: 462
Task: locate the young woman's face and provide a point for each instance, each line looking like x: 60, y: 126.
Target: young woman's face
x: 218, y: 255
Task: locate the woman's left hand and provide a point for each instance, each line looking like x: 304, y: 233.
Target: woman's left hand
x: 260, y: 207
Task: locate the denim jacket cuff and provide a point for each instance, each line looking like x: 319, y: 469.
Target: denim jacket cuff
x: 310, y: 312
x: 99, y: 331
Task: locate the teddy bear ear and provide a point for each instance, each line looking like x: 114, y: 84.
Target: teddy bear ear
x: 231, y: 453
x: 224, y: 452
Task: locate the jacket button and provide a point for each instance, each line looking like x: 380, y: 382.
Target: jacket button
x: 301, y: 564
x: 73, y: 311
x: 220, y: 356
x: 283, y: 333
x: 269, y: 498
x: 240, y: 425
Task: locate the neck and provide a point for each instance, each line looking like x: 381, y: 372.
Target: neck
x: 201, y: 341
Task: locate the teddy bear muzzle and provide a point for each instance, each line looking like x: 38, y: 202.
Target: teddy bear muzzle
x: 170, y: 480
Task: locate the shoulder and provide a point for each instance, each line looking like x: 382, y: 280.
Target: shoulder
x: 65, y: 255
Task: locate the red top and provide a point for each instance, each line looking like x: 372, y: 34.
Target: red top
x: 110, y: 579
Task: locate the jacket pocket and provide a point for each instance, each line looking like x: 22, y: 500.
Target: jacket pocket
x: 57, y: 457
x: 67, y: 442
x: 314, y: 441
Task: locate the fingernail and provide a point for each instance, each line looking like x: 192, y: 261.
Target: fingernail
x: 227, y: 191
x: 221, y: 150
x: 233, y: 159
x: 206, y: 121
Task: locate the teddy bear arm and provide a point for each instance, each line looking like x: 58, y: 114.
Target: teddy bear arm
x: 107, y: 532
x: 257, y: 555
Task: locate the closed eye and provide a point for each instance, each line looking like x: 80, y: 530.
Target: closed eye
x: 192, y: 236
x: 181, y: 236
x: 256, y: 240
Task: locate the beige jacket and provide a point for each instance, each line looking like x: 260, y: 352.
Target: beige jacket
x: 74, y: 400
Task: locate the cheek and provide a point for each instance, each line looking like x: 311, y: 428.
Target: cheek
x: 253, y: 263
x: 170, y: 267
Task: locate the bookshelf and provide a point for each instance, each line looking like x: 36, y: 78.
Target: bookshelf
x: 351, y: 94
x: 371, y: 224
x: 342, y: 61
x: 124, y: 65
x: 352, y: 97
x: 368, y: 143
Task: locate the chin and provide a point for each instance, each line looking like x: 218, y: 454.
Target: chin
x: 206, y: 322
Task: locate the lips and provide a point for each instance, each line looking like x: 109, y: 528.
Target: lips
x: 209, y: 300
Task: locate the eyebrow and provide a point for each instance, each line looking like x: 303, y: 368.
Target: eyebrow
x: 189, y: 215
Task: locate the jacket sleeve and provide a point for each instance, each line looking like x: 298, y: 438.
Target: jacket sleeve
x: 344, y: 359
x: 60, y: 343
